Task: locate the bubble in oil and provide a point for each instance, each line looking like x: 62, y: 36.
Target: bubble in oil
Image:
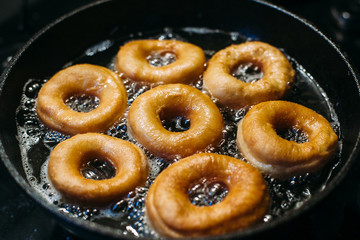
x: 134, y: 90
x: 32, y: 87
x: 36, y: 156
x: 207, y: 192
x: 74, y: 210
x: 168, y: 34
x: 293, y: 134
x: 289, y: 194
x: 247, y: 72
x: 131, y: 211
x: 82, y: 102
x: 52, y: 138
x: 119, y: 130
x: 176, y: 124
x: 227, y: 145
x: 98, y: 169
x: 160, y: 59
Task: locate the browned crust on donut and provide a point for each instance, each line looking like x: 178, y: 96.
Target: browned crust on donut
x: 262, y: 147
x: 82, y: 79
x: 189, y: 65
x: 144, y: 122
x: 68, y: 156
x: 172, y: 214
x: 278, y: 75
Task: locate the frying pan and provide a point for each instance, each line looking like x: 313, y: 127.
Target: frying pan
x: 67, y: 38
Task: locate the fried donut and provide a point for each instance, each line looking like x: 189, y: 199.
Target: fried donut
x: 277, y: 77
x: 82, y: 79
x: 260, y: 144
x: 172, y: 100
x: 132, y: 61
x: 171, y: 213
x: 69, y: 156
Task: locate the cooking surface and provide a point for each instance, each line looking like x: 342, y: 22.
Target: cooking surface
x: 336, y: 218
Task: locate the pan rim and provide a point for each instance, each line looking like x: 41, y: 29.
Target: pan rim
x: 109, y: 231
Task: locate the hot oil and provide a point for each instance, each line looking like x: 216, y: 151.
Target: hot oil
x: 247, y: 72
x: 98, y: 169
x: 128, y: 214
x: 207, y: 192
x: 161, y: 59
x: 82, y: 102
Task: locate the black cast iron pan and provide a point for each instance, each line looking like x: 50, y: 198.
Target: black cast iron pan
x: 66, y: 40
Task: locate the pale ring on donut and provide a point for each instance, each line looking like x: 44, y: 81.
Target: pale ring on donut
x: 171, y: 213
x: 278, y: 75
x: 133, y: 63
x: 79, y: 79
x: 173, y: 100
x: 68, y: 157
x: 260, y: 144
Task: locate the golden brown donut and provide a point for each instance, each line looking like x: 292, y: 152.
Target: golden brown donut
x: 171, y: 100
x: 188, y: 66
x: 86, y: 79
x: 277, y: 77
x: 70, y: 155
x: 171, y: 213
x: 260, y: 144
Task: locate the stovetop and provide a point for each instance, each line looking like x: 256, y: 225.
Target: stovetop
x: 336, y: 218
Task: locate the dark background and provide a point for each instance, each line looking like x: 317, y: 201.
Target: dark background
x: 338, y: 217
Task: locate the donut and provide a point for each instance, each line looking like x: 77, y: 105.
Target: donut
x: 260, y: 144
x: 133, y: 61
x: 278, y: 75
x: 172, y: 100
x: 68, y: 157
x: 170, y: 212
x: 87, y: 79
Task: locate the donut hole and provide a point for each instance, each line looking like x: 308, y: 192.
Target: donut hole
x: 247, y: 72
x: 293, y: 134
x: 97, y: 169
x: 82, y: 102
x: 207, y: 192
x: 174, y: 121
x: 160, y: 59
x: 176, y: 124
